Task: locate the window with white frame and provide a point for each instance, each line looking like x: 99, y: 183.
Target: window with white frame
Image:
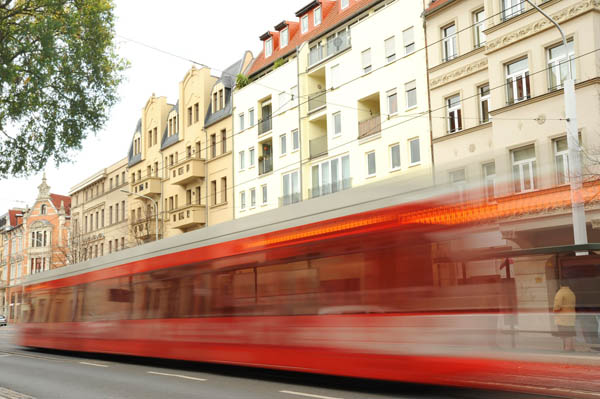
x: 242, y: 160
x: 265, y: 199
x: 449, y: 45
x: 517, y: 81
x: 561, y: 159
x: 269, y: 47
x: 291, y: 188
x: 558, y: 64
x: 252, y: 197
x: 317, y: 16
x: 395, y: 156
x: 335, y: 75
x: 392, y: 101
x: 453, y: 105
x: 371, y: 164
x: 295, y: 140
x: 243, y: 200
x: 366, y: 60
x: 251, y: 117
x: 304, y: 24
x: 458, y: 179
x: 283, y: 143
x: 414, y: 146
x: 511, y: 8
x: 489, y: 180
x: 408, y: 36
x: 251, y: 157
x: 478, y: 28
x: 337, y: 123
x: 390, y: 49
x: 524, y: 169
x: 344, y: 4
x: 331, y: 176
x: 484, y: 103
x: 284, y: 37
x: 410, y: 89
x: 241, y: 121
x: 283, y: 100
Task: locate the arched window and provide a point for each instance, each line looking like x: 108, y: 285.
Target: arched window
x: 44, y: 209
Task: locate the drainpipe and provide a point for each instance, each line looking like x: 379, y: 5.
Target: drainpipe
x: 300, y: 174
x: 205, y: 175
x: 433, y: 174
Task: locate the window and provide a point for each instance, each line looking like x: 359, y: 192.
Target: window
x: 269, y: 47
x: 484, y: 103
x: 335, y: 76
x: 392, y: 100
x: 223, y: 141
x: 408, y: 36
x: 524, y: 169
x: 213, y: 146
x: 390, y: 49
x: 395, y: 157
x: 344, y: 3
x: 243, y: 200
x: 44, y: 209
x: 331, y: 176
x: 251, y: 117
x: 223, y: 190
x: 478, y: 28
x: 284, y: 37
x: 304, y: 23
x: 291, y: 188
x: 242, y: 160
x: 517, y: 81
x: 371, y: 166
x: 449, y: 43
x: 561, y: 158
x: 196, y: 112
x: 415, y: 151
x: 366, y: 60
x: 489, y: 180
x: 283, y: 143
x: 558, y: 65
x: 338, y: 42
x: 215, y: 102
x: 116, y: 213
x: 337, y: 123
x: 189, y: 116
x: 317, y: 16
x: 511, y: 8
x: 264, y: 194
x: 213, y: 191
x: 241, y: 121
x: 454, y: 113
x: 252, y: 197
x: 251, y: 157
x: 411, y: 94
x: 295, y: 140
x: 221, y: 99
x: 458, y: 179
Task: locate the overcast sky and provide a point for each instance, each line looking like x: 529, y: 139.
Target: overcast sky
x: 215, y: 33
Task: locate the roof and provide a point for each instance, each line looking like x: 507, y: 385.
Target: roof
x: 435, y: 5
x: 131, y: 159
x: 332, y: 17
x: 57, y: 200
x: 12, y: 215
x: 307, y: 8
x: 228, y: 77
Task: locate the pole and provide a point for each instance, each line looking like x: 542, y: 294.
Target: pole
x: 575, y: 170
x: 155, y: 209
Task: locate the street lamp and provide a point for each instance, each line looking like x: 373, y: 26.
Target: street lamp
x: 155, y: 208
x: 576, y: 180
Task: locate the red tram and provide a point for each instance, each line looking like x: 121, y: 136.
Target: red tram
x: 360, y: 291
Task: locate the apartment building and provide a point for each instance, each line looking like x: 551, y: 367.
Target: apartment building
x: 336, y: 99
x: 99, y: 217
x: 495, y: 76
x: 12, y: 260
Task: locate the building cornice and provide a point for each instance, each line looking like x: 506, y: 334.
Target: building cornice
x: 462, y: 132
x: 459, y: 73
x: 457, y: 59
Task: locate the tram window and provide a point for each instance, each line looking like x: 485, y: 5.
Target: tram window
x: 61, y: 305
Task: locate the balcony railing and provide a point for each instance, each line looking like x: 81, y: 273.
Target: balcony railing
x: 264, y: 126
x: 265, y: 165
x: 369, y: 126
x: 290, y: 199
x: 333, y: 47
x: 318, y: 146
x: 187, y: 171
x: 147, y: 186
x: 330, y: 188
x: 190, y: 215
x: 317, y: 100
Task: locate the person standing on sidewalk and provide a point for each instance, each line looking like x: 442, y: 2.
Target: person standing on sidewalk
x: 564, y: 316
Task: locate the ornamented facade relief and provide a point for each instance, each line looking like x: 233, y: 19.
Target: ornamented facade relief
x: 458, y: 73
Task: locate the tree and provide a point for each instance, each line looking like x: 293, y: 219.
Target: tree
x: 59, y: 74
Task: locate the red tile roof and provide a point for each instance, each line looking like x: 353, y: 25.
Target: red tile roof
x: 57, y: 199
x: 435, y: 4
x: 331, y: 17
x: 13, y: 220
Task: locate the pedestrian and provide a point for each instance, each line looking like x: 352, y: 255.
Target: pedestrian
x: 564, y: 316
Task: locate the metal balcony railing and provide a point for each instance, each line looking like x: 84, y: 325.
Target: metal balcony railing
x: 333, y: 46
x: 265, y: 165
x: 318, y: 146
x: 290, y: 199
x: 264, y: 125
x: 369, y: 126
x: 330, y: 188
x: 317, y: 100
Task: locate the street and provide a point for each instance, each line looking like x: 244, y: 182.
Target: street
x: 49, y: 374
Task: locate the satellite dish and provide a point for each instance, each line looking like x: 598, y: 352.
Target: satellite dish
x: 337, y: 42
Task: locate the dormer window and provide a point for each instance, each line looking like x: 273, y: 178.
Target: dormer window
x: 304, y: 23
x: 344, y: 3
x: 269, y: 47
x: 317, y: 16
x: 284, y: 37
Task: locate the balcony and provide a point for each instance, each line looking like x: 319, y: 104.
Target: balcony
x: 330, y: 188
x: 369, y: 126
x: 187, y: 171
x: 149, y: 186
x: 316, y: 101
x: 145, y: 228
x: 265, y: 125
x: 318, y: 146
x: 265, y: 165
x: 290, y: 199
x: 188, y: 216
x: 334, y: 45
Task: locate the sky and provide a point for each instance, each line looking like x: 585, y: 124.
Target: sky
x: 214, y: 33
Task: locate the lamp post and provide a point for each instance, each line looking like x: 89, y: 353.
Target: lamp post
x: 575, y: 171
x: 155, y: 208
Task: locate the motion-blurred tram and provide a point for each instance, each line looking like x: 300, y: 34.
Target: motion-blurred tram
x: 378, y: 285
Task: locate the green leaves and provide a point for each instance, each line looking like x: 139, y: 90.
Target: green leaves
x: 59, y: 74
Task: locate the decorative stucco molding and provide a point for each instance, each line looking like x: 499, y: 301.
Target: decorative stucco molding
x: 459, y: 73
x: 542, y: 24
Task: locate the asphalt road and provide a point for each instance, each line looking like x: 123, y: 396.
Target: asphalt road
x: 28, y: 374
